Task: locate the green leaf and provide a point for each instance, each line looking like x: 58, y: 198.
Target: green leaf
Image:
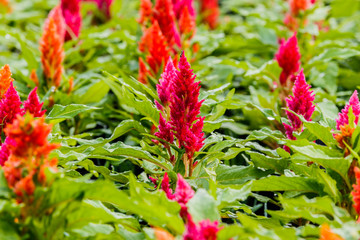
x: 60, y: 113
x: 203, y: 206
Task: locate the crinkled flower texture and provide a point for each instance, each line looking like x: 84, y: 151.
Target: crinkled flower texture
x: 288, y: 58
x: 301, y: 103
x: 343, y: 118
x: 10, y: 106
x: 210, y: 12
x: 205, y: 230
x: 29, y: 150
x: 5, y: 80
x: 51, y: 47
x: 71, y: 13
x: 33, y: 104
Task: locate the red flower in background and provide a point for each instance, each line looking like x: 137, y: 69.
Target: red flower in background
x: 210, y: 12
x: 288, y: 58
x: 180, y: 5
x: 5, y: 80
x: 71, y: 13
x: 146, y: 12
x: 187, y: 23
x: 205, y: 230
x: 51, y: 47
x: 301, y: 103
x: 33, y: 105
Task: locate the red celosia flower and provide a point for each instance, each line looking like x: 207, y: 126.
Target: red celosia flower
x: 297, y: 5
x: 327, y: 234
x: 5, y: 80
x: 29, y: 150
x: 164, y: 86
x: 210, y: 12
x: 288, y: 58
x: 154, y: 44
x: 146, y: 12
x: 165, y: 130
x: 343, y: 115
x: 180, y: 5
x: 33, y: 105
x: 71, y: 13
x: 165, y: 186
x: 143, y: 72
x: 185, y: 108
x: 10, y: 106
x: 187, y: 23
x: 301, y: 103
x: 164, y: 14
x: 356, y: 192
x: 206, y: 230
x: 51, y: 47
x: 34, y: 77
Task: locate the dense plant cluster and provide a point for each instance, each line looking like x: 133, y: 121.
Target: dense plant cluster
x: 179, y: 119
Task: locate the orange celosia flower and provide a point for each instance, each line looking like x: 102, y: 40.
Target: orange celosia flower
x: 161, y: 234
x: 51, y: 47
x: 34, y: 77
x: 187, y: 23
x: 327, y: 234
x: 29, y: 150
x: 5, y: 80
x: 297, y: 5
x: 143, y: 72
x: 356, y: 192
x: 210, y: 12
x: 146, y: 12
x: 344, y: 135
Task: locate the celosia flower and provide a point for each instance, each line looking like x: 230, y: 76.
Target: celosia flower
x: 71, y: 13
x: 154, y: 44
x: 161, y: 234
x: 164, y: 86
x: 343, y: 115
x: 4, y: 151
x: 180, y: 5
x: 143, y: 72
x: 288, y: 58
x: 29, y: 150
x: 183, y: 193
x: 185, y: 108
x: 187, y: 23
x: 210, y: 12
x: 327, y: 234
x: 205, y: 230
x: 51, y: 47
x: 5, y: 80
x: 165, y: 130
x: 291, y: 22
x: 301, y: 103
x: 164, y: 14
x: 146, y: 12
x: 104, y: 6
x: 356, y: 192
x: 10, y: 106
x: 34, y: 77
x: 344, y: 136
x: 297, y: 5
x: 33, y: 105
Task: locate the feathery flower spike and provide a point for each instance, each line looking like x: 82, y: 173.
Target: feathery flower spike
x: 180, y: 5
x: 164, y: 86
x: 205, y: 230
x: 327, y: 234
x: 51, y: 47
x: 165, y: 130
x: 356, y: 192
x: 301, y: 103
x: 343, y: 115
x: 143, y: 72
x: 146, y: 12
x: 288, y: 58
x: 4, y: 151
x: 210, y: 12
x: 71, y: 13
x: 5, y: 80
x: 10, y: 106
x: 33, y: 105
x: 187, y: 23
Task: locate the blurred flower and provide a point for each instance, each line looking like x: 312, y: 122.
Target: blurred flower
x: 301, y: 103
x: 104, y: 6
x: 6, y: 5
x: 28, y: 159
x: 327, y: 234
x: 205, y: 230
x: 5, y: 80
x: 71, y: 13
x: 343, y: 118
x: 291, y: 22
x: 4, y: 151
x: 51, y: 47
x: 210, y: 12
x: 146, y: 13
x: 161, y: 234
x: 180, y: 5
x: 10, y: 106
x: 187, y: 23
x: 143, y: 72
x: 34, y: 77
x: 33, y: 105
x: 356, y: 192
x: 297, y: 5
x: 288, y: 58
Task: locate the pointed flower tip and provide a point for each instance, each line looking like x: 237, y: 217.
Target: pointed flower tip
x: 33, y: 105
x: 343, y: 117
x: 5, y: 80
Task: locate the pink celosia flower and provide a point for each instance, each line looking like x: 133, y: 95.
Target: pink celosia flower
x: 185, y: 108
x: 165, y: 130
x: 205, y: 230
x: 301, y: 103
x: 33, y: 105
x: 71, y: 12
x: 164, y: 86
x: 343, y: 115
x: 180, y: 5
x: 104, y: 6
x: 10, y: 106
x: 356, y: 192
x: 288, y: 58
x: 4, y: 151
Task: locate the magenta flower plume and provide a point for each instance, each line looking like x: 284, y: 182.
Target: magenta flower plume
x: 164, y: 86
x: 165, y: 130
x: 288, y: 58
x: 10, y: 106
x: 301, y: 103
x: 343, y: 115
x: 71, y: 12
x: 179, y: 6
x: 33, y: 105
x: 185, y: 108
x: 104, y: 6
x: 165, y: 186
x: 205, y: 230
x: 5, y: 151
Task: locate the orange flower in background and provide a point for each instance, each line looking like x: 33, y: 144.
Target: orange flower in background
x: 210, y: 12
x: 29, y: 151
x: 5, y: 4
x: 5, y: 80
x: 161, y: 234
x: 297, y: 5
x: 34, y: 77
x: 51, y: 47
x: 187, y: 23
x: 143, y: 72
x: 146, y: 12
x: 327, y: 234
